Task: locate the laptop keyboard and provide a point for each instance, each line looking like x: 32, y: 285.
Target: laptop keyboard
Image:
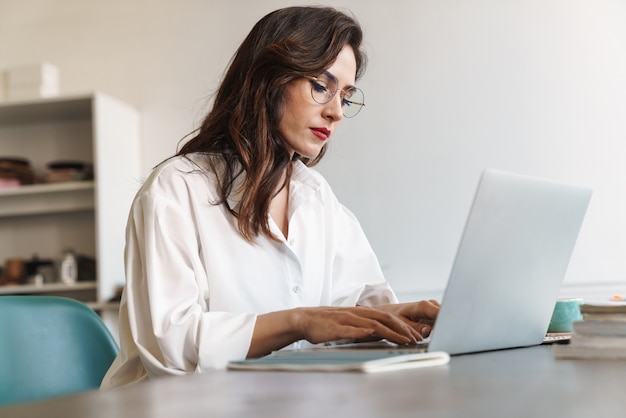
x: 557, y: 338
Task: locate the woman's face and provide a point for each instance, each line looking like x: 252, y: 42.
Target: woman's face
x: 307, y: 125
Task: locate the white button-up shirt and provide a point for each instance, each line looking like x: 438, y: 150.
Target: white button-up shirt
x: 194, y: 286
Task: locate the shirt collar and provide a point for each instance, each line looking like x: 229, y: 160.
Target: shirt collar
x: 304, y: 183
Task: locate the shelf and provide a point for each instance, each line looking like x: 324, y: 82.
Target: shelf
x: 88, y: 216
x: 47, y: 198
x: 44, y: 110
x: 46, y: 188
x: 27, y: 289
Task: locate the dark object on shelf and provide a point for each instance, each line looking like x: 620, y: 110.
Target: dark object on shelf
x: 43, y: 267
x: 48, y: 269
x: 15, y: 168
x: 86, y: 268
x: 60, y: 171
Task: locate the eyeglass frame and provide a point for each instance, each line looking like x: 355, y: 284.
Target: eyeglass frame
x: 342, y: 94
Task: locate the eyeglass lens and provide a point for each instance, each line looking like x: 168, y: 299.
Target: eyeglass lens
x: 324, y: 88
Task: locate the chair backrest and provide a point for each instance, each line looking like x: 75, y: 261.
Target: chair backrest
x: 50, y: 346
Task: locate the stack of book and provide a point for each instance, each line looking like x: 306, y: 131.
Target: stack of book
x: 30, y: 82
x: 600, y: 335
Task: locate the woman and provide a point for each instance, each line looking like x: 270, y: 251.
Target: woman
x: 235, y: 247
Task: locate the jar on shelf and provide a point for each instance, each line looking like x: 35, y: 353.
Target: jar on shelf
x: 69, y: 267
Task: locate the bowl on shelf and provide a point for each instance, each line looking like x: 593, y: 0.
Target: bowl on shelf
x: 15, y: 171
x: 61, y: 171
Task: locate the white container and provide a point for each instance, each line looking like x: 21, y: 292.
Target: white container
x: 32, y: 82
x: 69, y: 268
x: 36, y: 74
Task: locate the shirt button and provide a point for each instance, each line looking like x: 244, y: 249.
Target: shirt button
x: 297, y: 289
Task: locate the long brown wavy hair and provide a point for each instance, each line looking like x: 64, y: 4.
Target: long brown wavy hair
x: 241, y: 129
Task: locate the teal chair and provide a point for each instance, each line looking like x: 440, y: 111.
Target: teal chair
x: 50, y: 346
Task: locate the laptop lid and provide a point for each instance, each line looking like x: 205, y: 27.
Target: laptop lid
x: 510, y: 263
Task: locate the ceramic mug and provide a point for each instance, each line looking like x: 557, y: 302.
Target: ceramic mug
x: 566, y: 311
x: 14, y: 270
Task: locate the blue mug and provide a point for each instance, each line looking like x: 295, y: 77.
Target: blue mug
x: 566, y: 311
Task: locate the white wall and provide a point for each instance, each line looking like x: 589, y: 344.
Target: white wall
x: 453, y: 86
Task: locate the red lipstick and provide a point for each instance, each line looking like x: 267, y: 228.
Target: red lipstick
x: 321, y: 133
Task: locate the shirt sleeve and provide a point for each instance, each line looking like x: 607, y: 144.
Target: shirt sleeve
x: 167, y: 293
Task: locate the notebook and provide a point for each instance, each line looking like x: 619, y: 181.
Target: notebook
x: 362, y: 360
x: 510, y: 263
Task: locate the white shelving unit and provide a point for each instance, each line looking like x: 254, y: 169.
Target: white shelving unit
x: 87, y: 216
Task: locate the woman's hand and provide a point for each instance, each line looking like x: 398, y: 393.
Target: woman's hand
x: 420, y: 315
x: 401, y: 324
x: 319, y: 325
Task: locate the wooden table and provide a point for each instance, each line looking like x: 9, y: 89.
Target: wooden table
x: 524, y: 382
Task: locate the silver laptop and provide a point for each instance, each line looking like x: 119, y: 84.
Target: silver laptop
x: 509, y: 267
x: 510, y: 263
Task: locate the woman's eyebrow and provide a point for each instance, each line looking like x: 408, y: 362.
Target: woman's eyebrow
x: 331, y: 75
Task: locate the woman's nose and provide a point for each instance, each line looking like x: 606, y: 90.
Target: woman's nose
x: 334, y: 108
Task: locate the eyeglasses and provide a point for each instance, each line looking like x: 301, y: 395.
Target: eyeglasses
x: 325, y: 86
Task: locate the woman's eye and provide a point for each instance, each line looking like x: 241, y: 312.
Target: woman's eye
x: 319, y: 87
x: 346, y: 98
